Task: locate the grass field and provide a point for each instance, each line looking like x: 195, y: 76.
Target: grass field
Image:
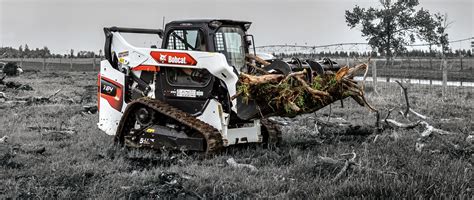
x: 86, y: 164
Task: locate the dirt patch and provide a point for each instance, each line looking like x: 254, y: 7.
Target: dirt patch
x: 142, y: 163
x: 55, y: 136
x: 57, y: 75
x: 14, y: 85
x: 7, y: 155
x: 165, y: 185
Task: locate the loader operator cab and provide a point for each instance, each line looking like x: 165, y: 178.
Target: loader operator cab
x: 222, y: 36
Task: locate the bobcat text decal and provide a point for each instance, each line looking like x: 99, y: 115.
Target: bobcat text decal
x: 176, y: 58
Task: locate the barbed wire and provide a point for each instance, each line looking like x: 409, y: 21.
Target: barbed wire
x: 339, y: 45
x: 453, y: 41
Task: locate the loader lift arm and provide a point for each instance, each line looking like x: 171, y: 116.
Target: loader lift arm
x: 108, y: 39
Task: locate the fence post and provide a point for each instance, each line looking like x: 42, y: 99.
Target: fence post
x: 445, y: 76
x: 44, y: 63
x: 70, y: 63
x: 93, y: 63
x: 374, y: 75
x: 431, y: 62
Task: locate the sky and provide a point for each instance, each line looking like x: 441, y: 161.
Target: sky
x: 77, y: 24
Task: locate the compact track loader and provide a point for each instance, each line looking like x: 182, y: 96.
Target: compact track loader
x: 180, y: 96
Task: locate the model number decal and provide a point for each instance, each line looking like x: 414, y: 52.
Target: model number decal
x: 185, y: 93
x: 107, y: 88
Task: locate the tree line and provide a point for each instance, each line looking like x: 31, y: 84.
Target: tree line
x: 26, y: 52
x: 355, y: 54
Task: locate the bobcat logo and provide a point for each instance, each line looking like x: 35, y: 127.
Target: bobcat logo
x: 162, y: 58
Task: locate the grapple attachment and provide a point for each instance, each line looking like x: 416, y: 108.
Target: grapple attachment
x: 292, y: 87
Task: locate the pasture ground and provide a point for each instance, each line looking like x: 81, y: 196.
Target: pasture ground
x: 87, y: 165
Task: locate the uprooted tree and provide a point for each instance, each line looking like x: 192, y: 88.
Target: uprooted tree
x: 293, y: 94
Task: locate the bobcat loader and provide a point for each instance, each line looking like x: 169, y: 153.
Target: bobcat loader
x: 179, y: 96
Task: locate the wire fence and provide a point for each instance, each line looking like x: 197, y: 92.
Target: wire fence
x: 460, y: 70
x: 422, y: 73
x: 56, y: 64
x: 427, y: 99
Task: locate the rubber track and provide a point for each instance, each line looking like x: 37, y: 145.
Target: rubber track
x: 212, y: 136
x: 274, y: 132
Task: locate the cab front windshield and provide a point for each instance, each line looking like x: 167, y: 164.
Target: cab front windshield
x: 228, y: 41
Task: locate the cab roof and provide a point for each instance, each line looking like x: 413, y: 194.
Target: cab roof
x: 207, y: 21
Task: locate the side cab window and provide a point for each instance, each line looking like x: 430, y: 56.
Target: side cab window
x: 186, y: 39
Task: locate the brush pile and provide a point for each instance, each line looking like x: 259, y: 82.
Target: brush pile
x: 293, y: 94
